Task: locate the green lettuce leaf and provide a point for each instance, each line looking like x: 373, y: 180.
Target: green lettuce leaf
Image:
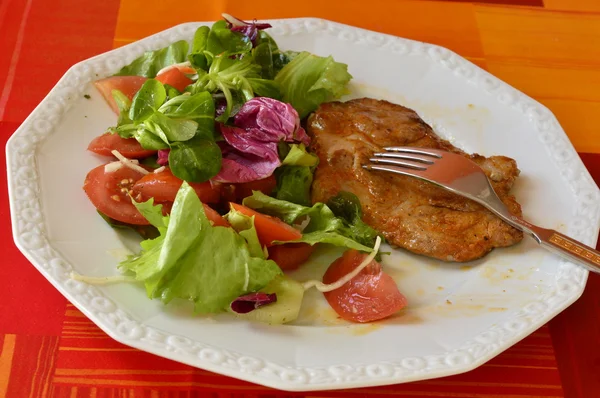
x: 346, y: 206
x: 145, y: 231
x: 265, y: 88
x: 193, y: 260
x: 298, y: 156
x: 244, y: 225
x: 287, y: 211
x: 152, y: 213
x: 149, y: 64
x: 309, y: 80
x: 293, y: 184
x: 335, y: 238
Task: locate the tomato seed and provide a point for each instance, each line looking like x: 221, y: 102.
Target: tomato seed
x: 116, y: 198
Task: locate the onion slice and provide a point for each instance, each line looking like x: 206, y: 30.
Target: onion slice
x: 322, y: 287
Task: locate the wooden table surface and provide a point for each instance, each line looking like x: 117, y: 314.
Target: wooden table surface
x: 549, y: 49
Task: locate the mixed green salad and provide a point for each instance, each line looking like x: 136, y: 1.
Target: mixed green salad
x: 212, y: 166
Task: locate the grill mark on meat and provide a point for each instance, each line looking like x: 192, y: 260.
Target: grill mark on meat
x: 410, y: 213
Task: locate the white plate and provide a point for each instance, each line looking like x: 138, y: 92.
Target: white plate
x: 459, y: 316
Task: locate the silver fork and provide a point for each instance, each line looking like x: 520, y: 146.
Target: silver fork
x: 464, y: 177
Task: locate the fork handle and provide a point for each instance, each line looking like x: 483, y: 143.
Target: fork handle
x: 561, y: 244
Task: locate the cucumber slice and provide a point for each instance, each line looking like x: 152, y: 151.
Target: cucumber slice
x: 285, y: 309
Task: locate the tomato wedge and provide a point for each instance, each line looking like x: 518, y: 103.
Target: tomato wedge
x: 290, y: 256
x: 128, y: 85
x: 163, y: 187
x: 174, y: 77
x: 128, y: 147
x: 108, y: 192
x: 268, y: 228
x: 369, y: 296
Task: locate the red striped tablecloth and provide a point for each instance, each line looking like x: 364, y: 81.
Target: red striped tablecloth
x: 549, y: 49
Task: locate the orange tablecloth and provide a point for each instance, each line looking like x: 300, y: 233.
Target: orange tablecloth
x: 550, y: 49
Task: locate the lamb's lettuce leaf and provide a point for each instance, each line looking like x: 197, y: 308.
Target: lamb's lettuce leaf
x: 149, y: 64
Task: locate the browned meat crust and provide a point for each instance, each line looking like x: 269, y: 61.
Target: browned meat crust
x: 410, y: 213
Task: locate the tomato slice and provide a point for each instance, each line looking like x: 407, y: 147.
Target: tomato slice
x: 215, y: 218
x: 369, y: 296
x: 108, y: 192
x: 184, y: 67
x: 290, y: 256
x: 268, y: 228
x: 163, y: 187
x: 174, y: 77
x: 128, y: 85
x: 128, y: 147
x: 266, y: 186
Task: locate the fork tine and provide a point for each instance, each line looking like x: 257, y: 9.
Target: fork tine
x: 413, y: 151
x: 396, y: 170
x: 399, y: 163
x: 395, y: 155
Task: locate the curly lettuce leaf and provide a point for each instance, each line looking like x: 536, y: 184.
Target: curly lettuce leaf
x: 323, y: 225
x: 346, y: 206
x: 244, y: 225
x: 293, y: 184
x: 309, y: 80
x: 193, y: 260
x: 298, y: 156
x: 145, y: 231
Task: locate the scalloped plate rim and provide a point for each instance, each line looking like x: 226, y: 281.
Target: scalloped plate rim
x: 11, y: 154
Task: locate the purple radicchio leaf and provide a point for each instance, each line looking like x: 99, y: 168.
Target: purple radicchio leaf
x: 271, y: 120
x: 220, y: 107
x: 250, y: 149
x: 252, y: 301
x: 248, y: 29
x: 244, y: 159
x: 163, y: 157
